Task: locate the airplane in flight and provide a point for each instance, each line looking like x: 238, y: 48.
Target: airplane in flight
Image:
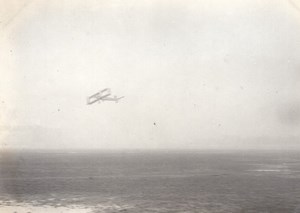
x: 103, y: 95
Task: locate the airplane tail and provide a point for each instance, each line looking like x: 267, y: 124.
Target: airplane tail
x: 117, y: 99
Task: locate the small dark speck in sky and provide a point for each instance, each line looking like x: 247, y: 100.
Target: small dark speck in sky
x: 154, y: 124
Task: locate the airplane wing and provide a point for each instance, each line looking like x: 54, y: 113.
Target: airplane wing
x: 106, y: 90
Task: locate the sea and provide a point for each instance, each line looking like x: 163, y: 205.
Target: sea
x: 138, y: 181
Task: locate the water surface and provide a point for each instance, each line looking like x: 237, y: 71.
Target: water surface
x: 165, y: 181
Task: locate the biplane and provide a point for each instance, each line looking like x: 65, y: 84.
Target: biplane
x: 103, y: 95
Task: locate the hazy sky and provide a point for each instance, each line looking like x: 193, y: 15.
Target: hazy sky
x: 209, y: 73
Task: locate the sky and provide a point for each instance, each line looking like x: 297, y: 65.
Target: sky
x: 204, y: 74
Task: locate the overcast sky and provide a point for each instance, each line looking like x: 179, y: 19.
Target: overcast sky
x: 208, y: 73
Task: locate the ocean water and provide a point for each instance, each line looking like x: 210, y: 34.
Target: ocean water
x: 158, y: 181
